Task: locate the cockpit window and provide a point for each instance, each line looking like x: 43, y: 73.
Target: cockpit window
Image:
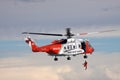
x: 83, y: 45
x: 63, y: 41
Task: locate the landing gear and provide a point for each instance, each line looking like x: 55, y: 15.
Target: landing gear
x: 55, y: 59
x: 68, y: 58
x: 85, y: 56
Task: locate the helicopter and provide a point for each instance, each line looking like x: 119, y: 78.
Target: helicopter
x: 64, y: 47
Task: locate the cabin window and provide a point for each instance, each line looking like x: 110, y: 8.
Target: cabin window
x: 74, y: 47
x: 79, y: 45
x: 68, y: 47
x: 65, y: 48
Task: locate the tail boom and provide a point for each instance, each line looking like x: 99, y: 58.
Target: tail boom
x: 31, y: 43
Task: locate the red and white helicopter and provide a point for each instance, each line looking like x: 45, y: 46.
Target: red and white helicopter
x: 64, y: 47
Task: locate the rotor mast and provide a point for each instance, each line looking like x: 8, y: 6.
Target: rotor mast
x: 68, y: 33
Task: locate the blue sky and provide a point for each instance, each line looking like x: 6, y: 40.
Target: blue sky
x: 18, y: 62
x: 10, y: 48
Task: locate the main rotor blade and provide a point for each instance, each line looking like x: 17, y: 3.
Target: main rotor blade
x: 49, y: 34
x: 96, y: 32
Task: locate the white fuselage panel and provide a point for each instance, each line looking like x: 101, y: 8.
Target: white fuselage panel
x: 72, y: 47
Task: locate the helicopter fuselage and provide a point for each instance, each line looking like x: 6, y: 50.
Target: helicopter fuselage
x: 63, y: 47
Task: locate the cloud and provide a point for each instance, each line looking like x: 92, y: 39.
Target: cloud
x: 31, y: 1
x: 111, y: 8
x: 26, y: 69
x: 113, y: 73
x: 56, y: 14
x: 100, y: 66
x: 16, y: 34
x: 29, y: 73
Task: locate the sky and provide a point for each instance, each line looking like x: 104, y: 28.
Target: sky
x: 17, y: 62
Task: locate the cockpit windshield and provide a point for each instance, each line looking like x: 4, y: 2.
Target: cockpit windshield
x: 83, y: 45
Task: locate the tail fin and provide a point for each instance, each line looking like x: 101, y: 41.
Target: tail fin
x: 31, y: 43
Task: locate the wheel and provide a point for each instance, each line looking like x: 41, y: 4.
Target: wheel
x: 85, y: 56
x: 68, y: 58
x: 55, y: 59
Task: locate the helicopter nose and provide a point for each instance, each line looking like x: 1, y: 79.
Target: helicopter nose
x: 91, y: 50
